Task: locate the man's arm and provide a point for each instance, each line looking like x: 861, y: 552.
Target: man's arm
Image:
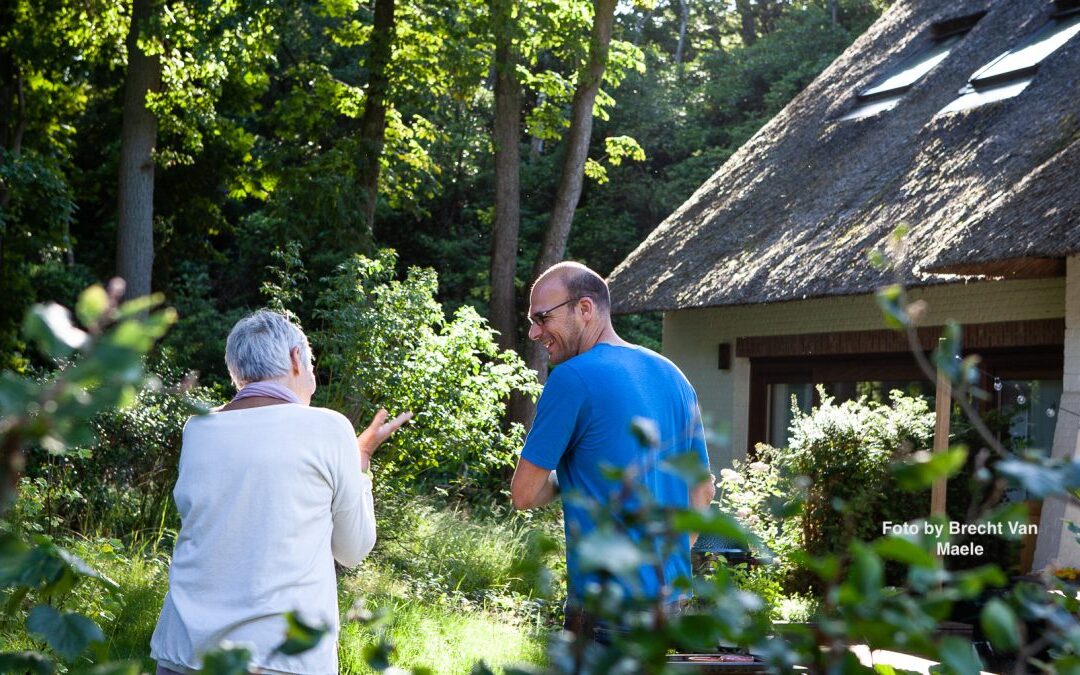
x: 532, y: 486
x: 701, y: 495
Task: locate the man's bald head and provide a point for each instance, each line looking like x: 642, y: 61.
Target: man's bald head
x: 579, y: 282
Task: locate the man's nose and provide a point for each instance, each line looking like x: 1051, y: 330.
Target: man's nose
x: 534, y: 331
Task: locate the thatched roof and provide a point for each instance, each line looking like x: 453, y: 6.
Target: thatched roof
x: 795, y: 212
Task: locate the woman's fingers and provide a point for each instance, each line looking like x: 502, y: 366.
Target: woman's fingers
x: 393, y: 425
x: 379, y: 430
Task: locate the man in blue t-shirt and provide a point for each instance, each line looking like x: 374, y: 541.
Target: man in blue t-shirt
x: 585, y: 417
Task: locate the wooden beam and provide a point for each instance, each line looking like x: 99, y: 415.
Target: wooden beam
x: 978, y: 336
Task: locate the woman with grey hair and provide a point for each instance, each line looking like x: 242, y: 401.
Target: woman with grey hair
x: 271, y: 492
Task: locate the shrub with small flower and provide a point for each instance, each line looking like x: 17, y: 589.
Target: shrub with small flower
x: 844, y: 451
x: 759, y: 497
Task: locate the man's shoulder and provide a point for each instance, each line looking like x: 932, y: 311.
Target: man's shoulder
x: 621, y: 357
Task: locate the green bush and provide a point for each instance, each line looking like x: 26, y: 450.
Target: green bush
x: 757, y: 494
x: 845, y: 452
x: 386, y: 343
x: 119, y: 485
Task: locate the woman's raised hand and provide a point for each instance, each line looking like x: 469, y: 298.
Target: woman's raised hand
x: 378, y: 431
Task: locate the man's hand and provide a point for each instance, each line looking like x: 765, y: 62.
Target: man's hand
x: 378, y: 431
x: 701, y: 496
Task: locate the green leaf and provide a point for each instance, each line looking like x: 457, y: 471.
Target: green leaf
x: 713, y: 522
x: 299, y: 636
x: 141, y: 305
x: 92, y: 305
x: 377, y: 655
x: 69, y: 634
x: 946, y: 356
x: 481, y: 668
x: 610, y: 551
x: 972, y: 582
x: 687, y: 466
x: 891, y: 301
x: 25, y: 662
x: 920, y: 472
x: 999, y: 623
x: 229, y: 660
x: 79, y: 566
x: 646, y: 432
x: 958, y: 656
x: 903, y: 550
x: 128, y: 667
x: 1038, y: 479
x: 1010, y: 517
x: 867, y: 572
x: 50, y: 326
x: 33, y: 568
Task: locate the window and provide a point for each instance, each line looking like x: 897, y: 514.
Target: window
x: 885, y: 93
x: 1024, y: 384
x: 1011, y: 72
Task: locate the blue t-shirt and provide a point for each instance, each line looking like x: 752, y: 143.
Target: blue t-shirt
x: 584, y: 421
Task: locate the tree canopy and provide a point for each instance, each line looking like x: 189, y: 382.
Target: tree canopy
x: 269, y: 131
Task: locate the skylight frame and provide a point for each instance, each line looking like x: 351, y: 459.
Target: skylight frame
x: 991, y: 83
x: 880, y: 97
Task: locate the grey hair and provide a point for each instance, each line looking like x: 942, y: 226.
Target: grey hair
x: 579, y: 282
x: 258, y: 347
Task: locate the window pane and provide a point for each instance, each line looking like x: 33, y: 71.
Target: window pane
x: 1032, y: 51
x: 780, y: 409
x: 914, y: 68
x: 871, y: 108
x: 1028, y: 401
x: 977, y: 97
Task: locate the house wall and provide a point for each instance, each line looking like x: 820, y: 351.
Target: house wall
x: 1056, y: 545
x: 691, y: 338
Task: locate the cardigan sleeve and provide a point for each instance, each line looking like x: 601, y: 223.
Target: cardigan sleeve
x: 353, y: 508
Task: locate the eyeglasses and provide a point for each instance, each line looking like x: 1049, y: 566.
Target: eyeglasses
x: 539, y: 318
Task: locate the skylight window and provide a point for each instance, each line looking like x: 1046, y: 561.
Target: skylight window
x: 885, y: 93
x: 1011, y: 73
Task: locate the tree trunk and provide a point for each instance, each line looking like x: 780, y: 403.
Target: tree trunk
x: 684, y: 16
x: 373, y: 123
x: 573, y: 168
x: 507, y: 136
x: 639, y: 24
x: 577, y: 142
x: 834, y: 11
x: 138, y: 136
x: 747, y: 22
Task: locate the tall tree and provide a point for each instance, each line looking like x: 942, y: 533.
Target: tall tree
x: 683, y: 8
x: 138, y: 136
x: 577, y: 143
x: 373, y: 123
x: 747, y: 22
x: 506, y: 136
x: 573, y: 167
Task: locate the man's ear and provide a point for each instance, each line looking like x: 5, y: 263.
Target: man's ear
x: 588, y: 308
x: 294, y: 358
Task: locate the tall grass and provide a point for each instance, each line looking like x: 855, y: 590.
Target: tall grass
x: 453, y: 583
x: 444, y: 639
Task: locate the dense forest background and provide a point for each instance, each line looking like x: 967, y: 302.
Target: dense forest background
x: 280, y: 138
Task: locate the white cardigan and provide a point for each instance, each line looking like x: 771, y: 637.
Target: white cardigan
x: 268, y: 497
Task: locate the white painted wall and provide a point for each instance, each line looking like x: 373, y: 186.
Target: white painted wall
x: 1056, y: 545
x: 692, y: 336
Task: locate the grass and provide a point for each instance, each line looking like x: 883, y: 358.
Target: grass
x: 443, y: 639
x: 454, y: 586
